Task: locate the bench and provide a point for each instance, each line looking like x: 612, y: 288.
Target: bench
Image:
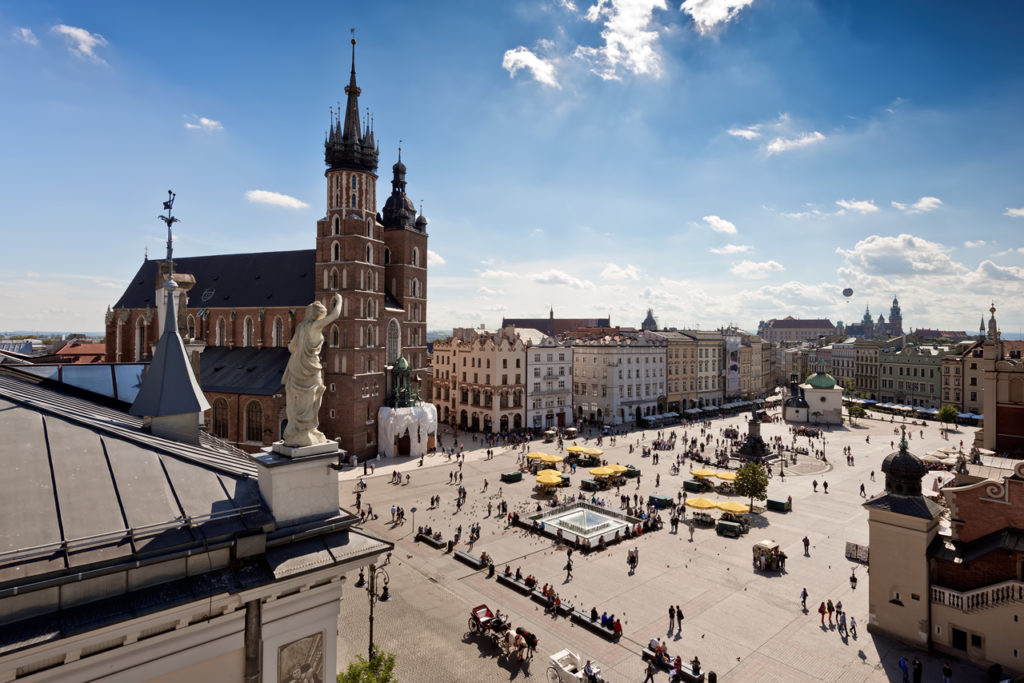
x: 684, y: 669
x: 430, y: 540
x: 584, y: 620
x: 472, y: 560
x: 510, y: 581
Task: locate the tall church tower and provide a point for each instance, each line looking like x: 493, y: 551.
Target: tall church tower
x: 350, y: 261
x: 895, y: 319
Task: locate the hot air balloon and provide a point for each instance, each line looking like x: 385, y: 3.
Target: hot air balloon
x: 848, y: 292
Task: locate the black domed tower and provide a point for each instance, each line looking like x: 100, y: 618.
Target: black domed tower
x: 903, y: 471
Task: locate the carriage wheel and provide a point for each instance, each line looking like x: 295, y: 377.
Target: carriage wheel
x: 553, y: 675
x: 474, y: 625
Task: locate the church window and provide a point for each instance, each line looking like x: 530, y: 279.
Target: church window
x: 335, y: 251
x: 369, y: 253
x: 334, y: 279
x: 353, y: 181
x: 220, y: 418
x: 334, y: 336
x: 394, y: 342
x: 247, y: 333
x: 336, y: 227
x: 277, y: 335
x: 387, y: 256
x: 140, y: 339
x: 369, y: 336
x: 221, y: 335
x: 415, y: 256
x: 369, y: 228
x: 352, y: 201
x: 254, y: 421
x: 190, y: 327
x: 362, y: 279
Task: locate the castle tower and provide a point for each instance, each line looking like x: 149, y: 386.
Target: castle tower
x: 350, y: 261
x: 895, y: 319
x: 901, y: 525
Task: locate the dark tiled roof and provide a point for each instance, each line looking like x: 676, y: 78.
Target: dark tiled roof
x: 556, y: 326
x: 794, y: 324
x: 266, y: 278
x: 912, y: 506
x: 244, y: 370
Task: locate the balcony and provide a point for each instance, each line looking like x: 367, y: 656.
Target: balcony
x: 996, y: 595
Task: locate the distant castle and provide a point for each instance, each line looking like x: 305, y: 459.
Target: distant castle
x: 869, y: 328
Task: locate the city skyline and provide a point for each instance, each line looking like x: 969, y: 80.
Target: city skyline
x: 717, y: 161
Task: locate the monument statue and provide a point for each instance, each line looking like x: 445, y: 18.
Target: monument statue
x: 303, y: 378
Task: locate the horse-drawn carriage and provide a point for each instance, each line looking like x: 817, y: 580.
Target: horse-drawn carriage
x: 491, y: 625
x: 567, y: 667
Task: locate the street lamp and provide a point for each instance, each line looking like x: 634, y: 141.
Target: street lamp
x: 376, y: 574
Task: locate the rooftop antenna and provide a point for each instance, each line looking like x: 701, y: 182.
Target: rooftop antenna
x: 169, y: 220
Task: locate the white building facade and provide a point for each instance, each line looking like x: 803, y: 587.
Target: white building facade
x: 549, y: 383
x: 619, y: 379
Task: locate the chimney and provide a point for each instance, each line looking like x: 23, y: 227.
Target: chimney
x: 300, y: 484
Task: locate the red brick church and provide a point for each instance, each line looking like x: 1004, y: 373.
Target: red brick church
x: 242, y: 308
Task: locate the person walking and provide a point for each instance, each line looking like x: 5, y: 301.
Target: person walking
x: 824, y: 485
x: 650, y: 673
x: 905, y: 670
x: 841, y: 619
x: 690, y: 527
x: 831, y: 609
x: 862, y: 493
x: 671, y: 617
x: 822, y: 611
x: 803, y: 599
x: 853, y: 627
x: 568, y: 570
x: 807, y: 546
x: 918, y: 670
x: 947, y: 673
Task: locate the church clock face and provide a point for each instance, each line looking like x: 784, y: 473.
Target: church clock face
x: 208, y: 294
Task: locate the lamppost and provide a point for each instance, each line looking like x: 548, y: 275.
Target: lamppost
x: 376, y: 574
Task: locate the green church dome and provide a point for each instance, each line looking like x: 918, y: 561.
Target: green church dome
x: 822, y: 380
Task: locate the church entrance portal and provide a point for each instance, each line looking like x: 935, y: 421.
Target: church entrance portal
x: 403, y: 444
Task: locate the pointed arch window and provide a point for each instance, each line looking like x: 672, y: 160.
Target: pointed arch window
x: 277, y: 336
x: 369, y: 228
x: 394, y: 342
x: 415, y: 256
x: 254, y: 421
x: 387, y: 256
x: 190, y: 327
x: 221, y: 336
x: 140, y: 339
x: 353, y: 181
x: 336, y: 227
x: 369, y: 253
x: 220, y: 418
x: 369, y: 336
x: 334, y: 279
x: 335, y: 251
x: 352, y: 200
x: 248, y: 333
x: 334, y: 336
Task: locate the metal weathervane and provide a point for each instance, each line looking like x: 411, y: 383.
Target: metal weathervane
x: 169, y: 220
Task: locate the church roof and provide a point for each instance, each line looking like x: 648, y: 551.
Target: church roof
x: 912, y: 506
x: 822, y: 380
x: 789, y: 323
x: 556, y: 326
x: 261, y: 279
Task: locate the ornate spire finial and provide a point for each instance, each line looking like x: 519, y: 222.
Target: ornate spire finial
x: 353, y: 32
x: 903, y: 437
x: 169, y: 220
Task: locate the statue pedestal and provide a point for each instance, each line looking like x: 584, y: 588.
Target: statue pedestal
x: 294, y: 452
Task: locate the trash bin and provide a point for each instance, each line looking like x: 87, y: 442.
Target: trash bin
x: 712, y: 677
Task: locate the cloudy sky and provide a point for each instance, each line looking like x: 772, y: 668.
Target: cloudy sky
x: 721, y: 161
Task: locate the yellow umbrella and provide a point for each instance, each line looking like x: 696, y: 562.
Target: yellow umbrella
x: 602, y: 471
x: 576, y: 449
x: 552, y: 473
x: 703, y: 473
x: 726, y: 476
x: 536, y: 455
x: 733, y: 506
x: 549, y: 480
x: 617, y: 468
x: 550, y: 458
x: 592, y: 451
x: 701, y: 503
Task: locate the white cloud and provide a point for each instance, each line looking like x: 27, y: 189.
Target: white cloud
x: 992, y: 271
x: 720, y: 224
x: 902, y: 256
x: 557, y: 277
x: 275, y: 199
x: 731, y: 249
x: 614, y: 272
x: 1014, y: 213
x: 780, y: 144
x: 543, y: 71
x: 748, y: 133
x: 922, y: 205
x: 204, y: 124
x: 498, y: 274
x: 629, y: 41
x: 434, y: 259
x: 25, y: 35
x: 755, y: 270
x: 862, y: 206
x: 81, y: 43
x: 812, y: 213
x: 707, y: 14
x: 487, y: 291
x: 971, y: 244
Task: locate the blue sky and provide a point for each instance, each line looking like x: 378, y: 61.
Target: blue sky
x: 717, y: 160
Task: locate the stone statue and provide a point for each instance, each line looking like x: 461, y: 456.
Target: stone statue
x: 303, y: 379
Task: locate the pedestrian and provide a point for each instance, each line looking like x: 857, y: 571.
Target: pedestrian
x: 831, y: 608
x: 568, y: 570
x: 905, y: 670
x: 807, y: 546
x: 822, y: 611
x: 872, y: 475
x: 671, y: 617
x: 803, y: 598
x: 824, y: 485
x: 679, y: 617
x: 842, y: 622
x: 853, y: 627
x: 690, y: 526
x: 815, y: 485
x: 918, y: 670
x: 650, y: 673
x: 947, y: 673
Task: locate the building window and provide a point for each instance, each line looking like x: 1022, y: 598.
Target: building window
x: 394, y: 342
x: 221, y: 332
x: 369, y: 228
x: 220, y: 418
x: 247, y: 333
x: 387, y: 259
x: 190, y: 327
x: 334, y: 336
x: 277, y: 336
x: 254, y: 421
x: 369, y: 253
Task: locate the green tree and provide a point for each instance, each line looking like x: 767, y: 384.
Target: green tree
x: 380, y: 669
x: 752, y: 482
x: 947, y: 414
x: 857, y: 412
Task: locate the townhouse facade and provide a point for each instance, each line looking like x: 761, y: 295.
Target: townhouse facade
x: 549, y: 383
x: 619, y: 379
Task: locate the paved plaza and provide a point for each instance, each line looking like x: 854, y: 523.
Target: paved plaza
x: 745, y: 626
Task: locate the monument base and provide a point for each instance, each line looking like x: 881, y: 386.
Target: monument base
x: 294, y: 452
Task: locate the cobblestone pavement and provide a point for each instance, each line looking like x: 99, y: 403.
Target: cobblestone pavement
x: 743, y: 625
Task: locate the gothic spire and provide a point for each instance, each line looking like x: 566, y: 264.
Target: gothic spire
x: 346, y: 147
